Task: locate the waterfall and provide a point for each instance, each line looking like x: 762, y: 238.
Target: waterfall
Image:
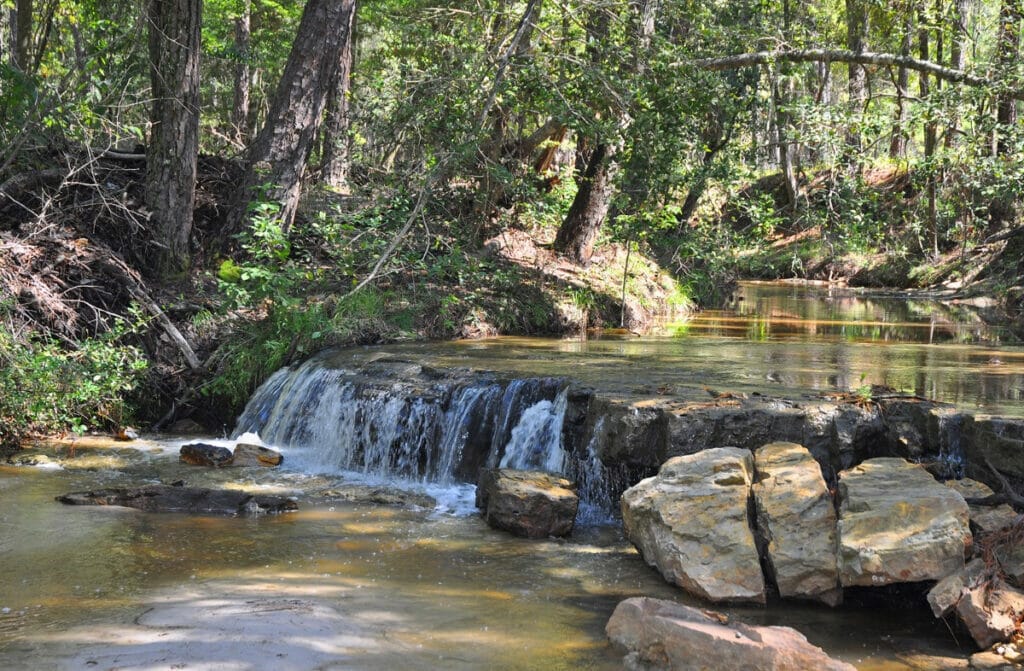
x: 592, y: 480
x: 400, y: 420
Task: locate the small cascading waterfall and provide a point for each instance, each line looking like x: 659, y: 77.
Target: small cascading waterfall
x: 592, y: 480
x: 951, y: 451
x: 408, y: 424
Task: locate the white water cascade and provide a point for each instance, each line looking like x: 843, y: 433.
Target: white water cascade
x: 397, y: 421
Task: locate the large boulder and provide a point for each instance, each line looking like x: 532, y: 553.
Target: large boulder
x: 532, y: 504
x: 657, y: 634
x: 204, y: 454
x: 898, y: 524
x: 690, y: 522
x: 797, y: 520
x: 170, y: 499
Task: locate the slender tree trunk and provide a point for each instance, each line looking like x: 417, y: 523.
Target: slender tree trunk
x: 243, y: 75
x: 279, y: 153
x: 578, y: 232
x: 336, y: 154
x: 23, y: 35
x: 930, y: 128
x: 857, y: 42
x: 899, y: 137
x: 958, y: 59
x: 787, y: 148
x: 174, y: 48
x: 1008, y: 46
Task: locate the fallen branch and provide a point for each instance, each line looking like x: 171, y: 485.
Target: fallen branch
x: 843, y: 56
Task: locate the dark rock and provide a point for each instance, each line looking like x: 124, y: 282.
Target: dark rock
x: 202, y: 454
x: 998, y: 440
x: 527, y: 503
x: 255, y: 455
x: 660, y: 635
x: 170, y: 499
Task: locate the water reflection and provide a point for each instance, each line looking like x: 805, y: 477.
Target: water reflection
x: 777, y: 340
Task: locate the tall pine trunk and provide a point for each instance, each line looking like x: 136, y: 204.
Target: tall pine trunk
x: 173, y: 150
x: 279, y: 153
x: 243, y: 74
x: 334, y: 166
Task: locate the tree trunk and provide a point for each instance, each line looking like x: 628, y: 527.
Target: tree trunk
x: 1008, y: 46
x: 898, y: 140
x: 174, y: 47
x: 279, y: 153
x: 958, y: 58
x: 23, y: 35
x: 787, y: 149
x: 334, y: 168
x: 930, y: 129
x: 856, y: 41
x: 240, y: 106
x: 578, y: 232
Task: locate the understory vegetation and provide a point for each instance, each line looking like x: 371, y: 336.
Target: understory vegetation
x: 468, y: 170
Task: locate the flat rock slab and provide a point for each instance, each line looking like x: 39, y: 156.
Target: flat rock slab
x: 690, y: 522
x: 168, y: 499
x: 531, y: 504
x: 657, y: 634
x: 898, y: 524
x: 797, y: 519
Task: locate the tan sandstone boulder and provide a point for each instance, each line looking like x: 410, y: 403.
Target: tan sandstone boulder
x: 797, y: 519
x: 532, y: 504
x: 690, y: 522
x: 898, y: 524
x: 664, y: 635
x: 255, y: 455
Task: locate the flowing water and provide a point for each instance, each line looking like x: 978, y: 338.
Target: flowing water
x: 416, y: 588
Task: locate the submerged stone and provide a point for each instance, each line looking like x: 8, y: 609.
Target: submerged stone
x: 797, y: 520
x: 664, y: 635
x: 690, y: 522
x: 898, y: 524
x: 532, y: 504
x: 171, y: 499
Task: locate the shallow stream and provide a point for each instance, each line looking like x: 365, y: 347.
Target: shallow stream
x: 360, y: 586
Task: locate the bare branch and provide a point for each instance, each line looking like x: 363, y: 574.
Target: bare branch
x: 843, y: 56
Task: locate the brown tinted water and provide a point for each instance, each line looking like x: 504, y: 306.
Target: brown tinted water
x: 85, y: 588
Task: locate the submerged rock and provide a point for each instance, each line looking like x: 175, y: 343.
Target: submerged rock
x: 532, y: 504
x: 657, y: 634
x: 898, y: 524
x: 170, y: 499
x: 387, y: 496
x: 255, y: 455
x: 690, y: 522
x: 202, y: 454
x: 797, y: 520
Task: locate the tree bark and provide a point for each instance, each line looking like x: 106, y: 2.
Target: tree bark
x: 1008, y: 46
x: 23, y: 35
x: 278, y: 155
x: 334, y: 166
x: 856, y: 41
x: 578, y: 232
x: 898, y: 140
x: 172, y: 155
x: 240, y: 106
x: 958, y: 58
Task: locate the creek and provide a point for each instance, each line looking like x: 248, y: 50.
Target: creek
x: 354, y: 585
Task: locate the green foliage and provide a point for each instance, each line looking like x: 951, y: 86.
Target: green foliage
x: 46, y: 388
